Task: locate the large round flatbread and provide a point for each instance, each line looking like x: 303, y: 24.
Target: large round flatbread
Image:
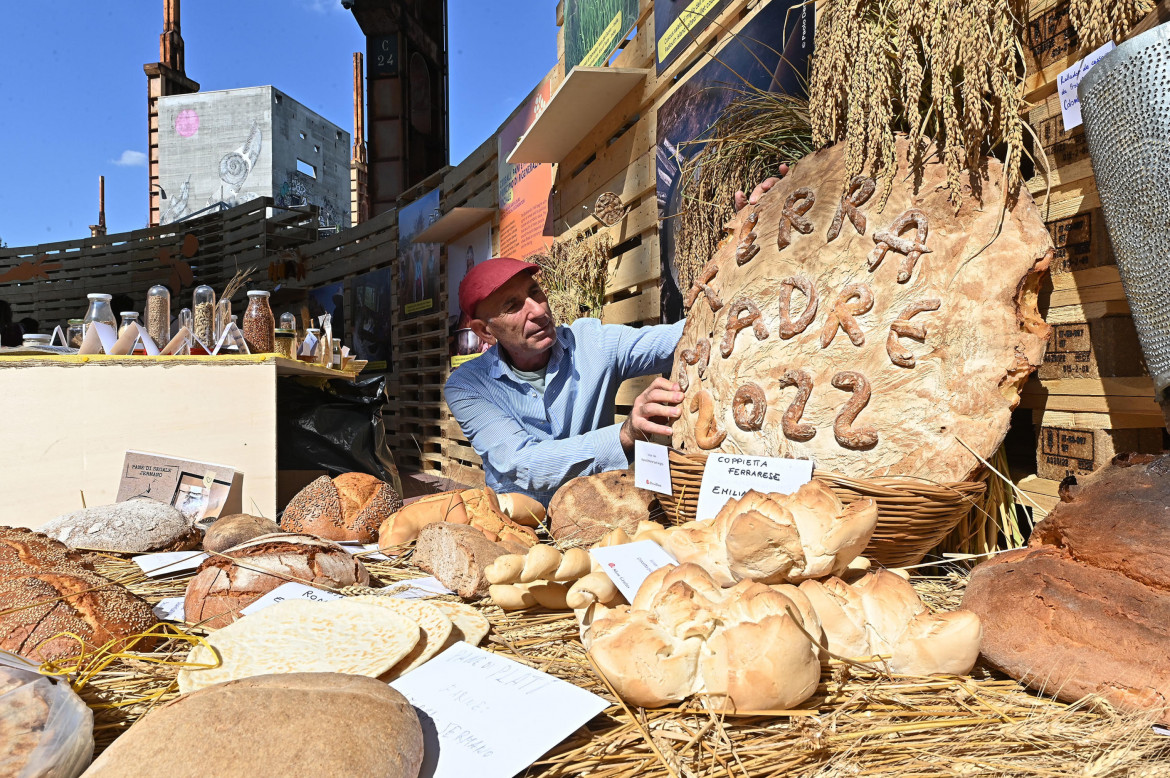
x: 296, y: 636
x: 471, y: 626
x: 960, y: 382
x: 435, y: 626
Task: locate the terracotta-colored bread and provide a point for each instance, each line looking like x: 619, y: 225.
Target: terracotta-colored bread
x: 349, y: 507
x: 586, y: 508
x: 685, y: 635
x: 1085, y: 609
x: 222, y: 586
x: 92, y: 607
x: 21, y: 546
x: 476, y: 507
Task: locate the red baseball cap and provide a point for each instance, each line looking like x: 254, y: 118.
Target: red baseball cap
x: 487, y: 277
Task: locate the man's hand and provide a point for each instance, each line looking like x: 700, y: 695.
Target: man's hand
x: 654, y: 411
x: 741, y: 200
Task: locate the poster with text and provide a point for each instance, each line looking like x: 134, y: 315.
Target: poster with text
x: 676, y: 22
x: 329, y: 299
x: 770, y: 51
x: 371, y: 317
x: 525, y: 189
x: 464, y: 253
x: 419, y: 293
x: 594, y: 28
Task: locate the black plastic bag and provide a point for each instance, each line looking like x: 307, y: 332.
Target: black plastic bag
x: 335, y: 426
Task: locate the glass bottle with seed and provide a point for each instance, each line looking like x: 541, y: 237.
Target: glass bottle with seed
x: 203, y: 309
x: 100, y: 310
x: 158, y: 314
x: 259, y: 324
x: 128, y: 318
x: 76, y: 333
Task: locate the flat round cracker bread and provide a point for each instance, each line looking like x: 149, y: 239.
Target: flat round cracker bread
x: 296, y: 636
x: 436, y: 628
x: 471, y: 626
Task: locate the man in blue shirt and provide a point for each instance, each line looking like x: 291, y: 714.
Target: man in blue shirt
x: 538, y: 407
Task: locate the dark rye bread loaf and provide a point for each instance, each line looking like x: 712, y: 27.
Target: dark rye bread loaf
x: 39, y: 606
x: 588, y: 508
x: 245, y: 573
x: 1085, y: 609
x: 456, y: 554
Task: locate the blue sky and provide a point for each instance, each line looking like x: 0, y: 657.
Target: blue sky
x: 73, y: 94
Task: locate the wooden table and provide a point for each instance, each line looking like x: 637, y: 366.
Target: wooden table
x: 69, y: 420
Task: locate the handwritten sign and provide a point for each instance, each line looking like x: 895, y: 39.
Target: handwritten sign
x: 629, y: 565
x: 168, y: 562
x: 170, y: 609
x: 730, y: 476
x: 1069, y: 80
x: 488, y: 716
x: 651, y: 467
x: 290, y: 591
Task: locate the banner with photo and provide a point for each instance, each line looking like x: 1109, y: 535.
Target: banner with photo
x: 329, y: 299
x: 594, y: 28
x: 675, y: 24
x: 525, y: 189
x: 464, y: 253
x: 419, y: 292
x: 371, y: 317
x: 771, y: 51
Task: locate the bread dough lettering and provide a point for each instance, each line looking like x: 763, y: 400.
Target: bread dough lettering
x: 860, y: 190
x: 702, y: 284
x: 707, y: 432
x: 747, y: 248
x: 792, y: 217
x: 843, y: 430
x: 749, y: 406
x: 735, y: 323
x: 699, y: 355
x: 843, y: 313
x: 891, y: 239
x: 791, y: 424
x: 788, y: 327
x: 901, y: 327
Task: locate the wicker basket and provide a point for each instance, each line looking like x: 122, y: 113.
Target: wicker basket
x: 914, y: 515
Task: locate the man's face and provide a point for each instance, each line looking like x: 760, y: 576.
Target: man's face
x: 517, y: 317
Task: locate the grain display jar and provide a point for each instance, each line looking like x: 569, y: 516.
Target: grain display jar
x: 259, y: 324
x: 203, y: 308
x: 158, y: 314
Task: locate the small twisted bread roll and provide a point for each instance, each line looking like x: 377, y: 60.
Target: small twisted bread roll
x: 595, y: 587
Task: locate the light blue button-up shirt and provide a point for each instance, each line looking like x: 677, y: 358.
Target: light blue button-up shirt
x: 533, y: 444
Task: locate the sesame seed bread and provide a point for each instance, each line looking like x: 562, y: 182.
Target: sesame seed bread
x: 349, y: 507
x: 23, y: 547
x: 94, y: 608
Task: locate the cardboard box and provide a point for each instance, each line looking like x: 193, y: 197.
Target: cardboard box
x: 1062, y: 452
x: 1081, y: 241
x: 201, y: 490
x: 1100, y: 348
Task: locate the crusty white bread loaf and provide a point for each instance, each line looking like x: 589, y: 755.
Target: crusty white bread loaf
x: 39, y: 608
x: 521, y: 508
x: 685, y: 634
x: 881, y: 615
x: 243, y: 574
x: 770, y: 538
x: 352, y: 506
x: 478, y: 508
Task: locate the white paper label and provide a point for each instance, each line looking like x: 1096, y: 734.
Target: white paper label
x: 1161, y: 730
x: 487, y: 716
x: 651, y: 467
x: 730, y: 476
x: 629, y: 565
x: 1069, y: 80
x: 147, y: 341
x: 355, y: 547
x: 169, y: 562
x: 419, y: 588
x: 290, y: 591
x: 106, y: 334
x: 170, y: 609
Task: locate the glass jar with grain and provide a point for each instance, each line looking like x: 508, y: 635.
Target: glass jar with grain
x: 203, y: 309
x: 259, y: 324
x: 158, y: 314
